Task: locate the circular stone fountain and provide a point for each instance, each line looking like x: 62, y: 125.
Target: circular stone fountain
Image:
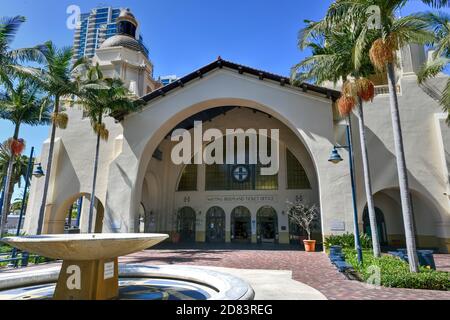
x: 90, y: 271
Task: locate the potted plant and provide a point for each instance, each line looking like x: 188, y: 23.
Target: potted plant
x: 175, y: 237
x: 304, y: 216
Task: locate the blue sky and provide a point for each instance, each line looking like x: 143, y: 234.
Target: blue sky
x: 183, y: 35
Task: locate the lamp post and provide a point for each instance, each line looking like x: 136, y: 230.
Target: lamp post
x: 38, y: 174
x: 2, y: 194
x: 336, y: 158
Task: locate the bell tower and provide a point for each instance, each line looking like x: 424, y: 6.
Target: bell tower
x: 123, y: 56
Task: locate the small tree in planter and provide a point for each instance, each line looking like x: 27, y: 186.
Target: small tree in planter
x: 304, y: 216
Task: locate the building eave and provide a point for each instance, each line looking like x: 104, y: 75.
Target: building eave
x: 220, y: 63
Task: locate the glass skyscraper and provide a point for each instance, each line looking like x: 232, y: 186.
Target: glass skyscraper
x: 94, y: 28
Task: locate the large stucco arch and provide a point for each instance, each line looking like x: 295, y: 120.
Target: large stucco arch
x: 426, y: 216
x: 310, y: 117
x: 417, y: 191
x: 55, y: 224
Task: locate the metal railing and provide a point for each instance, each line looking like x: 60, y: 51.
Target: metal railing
x: 19, y: 259
x: 384, y: 90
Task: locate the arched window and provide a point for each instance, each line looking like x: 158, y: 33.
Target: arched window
x: 239, y: 177
x: 188, y: 181
x: 296, y: 175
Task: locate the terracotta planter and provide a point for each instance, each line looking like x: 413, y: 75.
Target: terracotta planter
x: 310, y: 245
x: 175, y: 237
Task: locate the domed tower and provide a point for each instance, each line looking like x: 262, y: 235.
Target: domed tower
x: 127, y: 23
x: 123, y: 56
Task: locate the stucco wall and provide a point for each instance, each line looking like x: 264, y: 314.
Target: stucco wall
x: 126, y: 157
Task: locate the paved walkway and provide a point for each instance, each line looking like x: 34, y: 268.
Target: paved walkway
x: 273, y: 284
x: 313, y: 269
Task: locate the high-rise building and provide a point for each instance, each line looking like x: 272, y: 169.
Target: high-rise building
x: 165, y: 80
x: 94, y: 28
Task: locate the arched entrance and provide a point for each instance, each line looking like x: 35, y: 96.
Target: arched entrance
x: 77, y: 207
x: 158, y: 144
x: 267, y: 229
x: 381, y: 225
x: 215, y: 225
x: 241, y: 229
x: 186, y: 226
x: 425, y: 217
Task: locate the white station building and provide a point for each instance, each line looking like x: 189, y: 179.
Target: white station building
x: 140, y: 189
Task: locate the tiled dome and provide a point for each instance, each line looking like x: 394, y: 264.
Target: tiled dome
x: 123, y: 41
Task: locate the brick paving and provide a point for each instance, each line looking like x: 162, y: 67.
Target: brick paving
x: 313, y: 269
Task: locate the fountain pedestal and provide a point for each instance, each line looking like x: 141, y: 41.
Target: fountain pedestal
x: 100, y: 280
x: 90, y: 261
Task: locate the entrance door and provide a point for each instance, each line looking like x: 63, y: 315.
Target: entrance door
x: 267, y: 225
x: 381, y: 225
x: 187, y: 224
x: 215, y: 225
x: 241, y: 228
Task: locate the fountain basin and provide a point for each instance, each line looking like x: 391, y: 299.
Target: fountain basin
x: 85, y: 247
x: 139, y: 282
x: 90, y: 261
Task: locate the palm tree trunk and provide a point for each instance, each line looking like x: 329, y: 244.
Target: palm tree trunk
x: 402, y: 172
x: 92, y: 204
x: 367, y: 180
x: 49, y: 169
x: 8, y: 186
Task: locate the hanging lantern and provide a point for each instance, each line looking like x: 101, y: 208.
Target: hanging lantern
x: 366, y: 89
x: 16, y: 146
x: 346, y: 105
x: 60, y: 120
x: 382, y: 52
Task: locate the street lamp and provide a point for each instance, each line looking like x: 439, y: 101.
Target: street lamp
x: 336, y: 158
x: 39, y: 172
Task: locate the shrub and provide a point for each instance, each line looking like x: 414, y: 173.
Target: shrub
x: 4, y: 248
x: 347, y: 241
x: 395, y: 272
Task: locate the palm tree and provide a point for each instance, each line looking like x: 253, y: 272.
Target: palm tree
x: 99, y: 98
x: 393, y: 34
x: 332, y: 60
x: 440, y: 24
x: 9, y: 59
x: 20, y: 104
x: 19, y: 171
x: 57, y: 80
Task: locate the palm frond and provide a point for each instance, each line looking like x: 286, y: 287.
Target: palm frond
x: 437, y: 3
x: 9, y: 28
x: 445, y: 101
x: 432, y: 69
